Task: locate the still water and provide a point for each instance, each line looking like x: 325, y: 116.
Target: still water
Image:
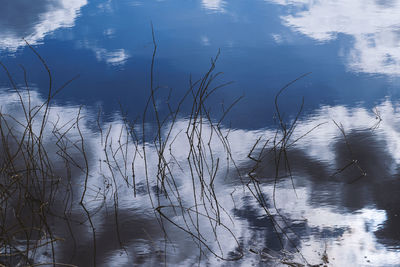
x: 325, y: 191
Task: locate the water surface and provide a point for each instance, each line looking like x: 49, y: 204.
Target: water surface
x: 332, y: 195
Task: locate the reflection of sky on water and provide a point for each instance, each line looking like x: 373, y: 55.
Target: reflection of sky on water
x: 373, y: 26
x: 355, y: 222
x: 42, y: 19
x: 214, y: 5
x: 264, y: 44
x: 33, y: 21
x: 114, y: 57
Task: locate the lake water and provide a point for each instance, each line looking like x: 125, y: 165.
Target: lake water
x: 307, y: 175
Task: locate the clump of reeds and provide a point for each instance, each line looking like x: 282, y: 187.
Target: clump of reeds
x: 44, y: 159
x: 33, y: 190
x: 35, y: 193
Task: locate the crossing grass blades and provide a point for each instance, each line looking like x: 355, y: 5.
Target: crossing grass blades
x: 39, y: 178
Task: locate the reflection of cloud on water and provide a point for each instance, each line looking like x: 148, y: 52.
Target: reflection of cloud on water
x: 110, y: 173
x: 213, y: 5
x: 34, y: 20
x: 327, y: 212
x: 374, y: 25
x: 114, y: 57
x: 334, y: 204
x: 347, y: 237
x: 117, y: 57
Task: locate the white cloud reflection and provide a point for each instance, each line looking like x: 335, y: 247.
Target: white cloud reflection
x: 115, y: 58
x: 374, y: 26
x: 33, y: 20
x: 319, y: 147
x: 213, y: 5
x: 205, y: 40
